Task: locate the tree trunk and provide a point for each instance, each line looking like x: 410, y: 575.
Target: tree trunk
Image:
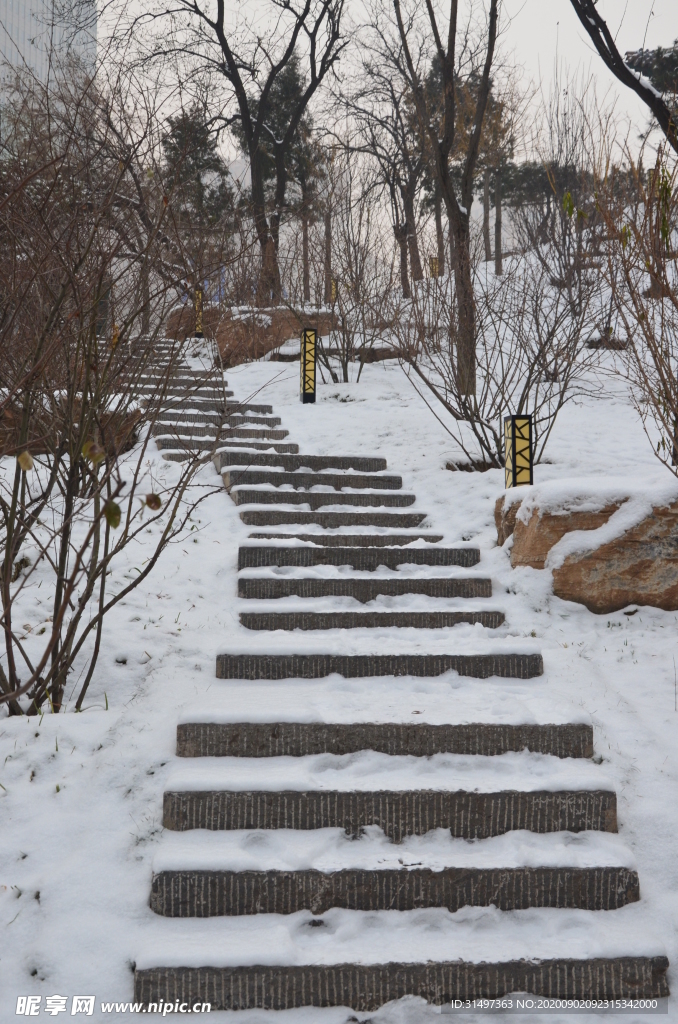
x: 453, y: 247
x: 268, y: 285
x: 328, y: 256
x: 498, y: 263
x: 440, y: 239
x: 401, y: 238
x: 486, y: 215
x: 466, y: 325
x: 269, y: 278
x: 412, y: 243
x: 304, y: 257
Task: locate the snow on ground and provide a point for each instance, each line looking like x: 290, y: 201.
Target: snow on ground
x: 81, y: 802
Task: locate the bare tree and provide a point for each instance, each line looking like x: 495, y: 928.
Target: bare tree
x: 424, y: 38
x: 81, y: 387
x: 530, y: 353
x: 253, y: 66
x: 642, y: 241
x: 387, y: 131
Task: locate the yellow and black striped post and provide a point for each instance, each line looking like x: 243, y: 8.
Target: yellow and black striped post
x: 433, y: 266
x: 198, y: 313
x: 309, y: 338
x: 518, y: 449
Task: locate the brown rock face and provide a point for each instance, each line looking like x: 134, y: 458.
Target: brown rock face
x: 533, y: 541
x: 250, y: 335
x: 505, y: 518
x: 641, y: 567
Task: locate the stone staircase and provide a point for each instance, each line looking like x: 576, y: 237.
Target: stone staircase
x: 511, y: 817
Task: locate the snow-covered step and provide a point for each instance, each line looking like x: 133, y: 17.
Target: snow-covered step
x: 343, y: 540
x: 186, y: 430
x: 214, y: 873
x: 361, y: 558
x: 316, y: 499
x: 333, y: 520
x: 423, y: 739
x: 255, y: 434
x: 183, y: 375
x: 370, y: 771
x: 236, y: 477
x: 355, y: 666
x: 474, y: 796
x: 239, y: 442
x: 187, y: 391
x: 367, y: 987
x: 330, y: 849
x: 220, y: 438
x: 169, y: 442
x: 410, y: 619
x: 210, y: 893
x: 363, y: 590
x: 292, y: 463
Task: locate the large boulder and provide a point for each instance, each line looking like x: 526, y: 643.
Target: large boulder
x: 639, y: 567
x: 532, y: 540
x: 605, y: 552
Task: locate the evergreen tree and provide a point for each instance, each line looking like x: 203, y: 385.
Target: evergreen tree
x: 197, y: 176
x: 660, y: 66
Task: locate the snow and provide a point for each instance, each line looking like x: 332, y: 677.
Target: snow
x: 89, y: 848
x: 474, y: 934
x: 367, y: 770
x: 645, y: 82
x: 330, y: 849
x: 585, y: 495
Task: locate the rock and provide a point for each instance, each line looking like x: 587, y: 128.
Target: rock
x: 504, y: 517
x: 640, y: 567
x: 247, y: 334
x: 533, y: 540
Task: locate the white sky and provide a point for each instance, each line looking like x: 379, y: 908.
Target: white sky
x: 537, y: 34
x: 540, y: 33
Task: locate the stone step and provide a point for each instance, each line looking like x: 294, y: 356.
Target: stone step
x: 187, y: 391
x: 237, y: 420
x: 162, y: 427
x: 166, y: 442
x: 368, y: 620
x: 299, y: 739
x: 468, y: 815
x: 258, y: 445
x: 274, y: 435
x: 315, y: 462
x: 212, y: 431
x: 215, y: 420
x: 216, y: 440
x: 357, y: 481
x: 316, y: 499
x: 184, y: 454
x: 229, y: 410
x: 200, y: 893
x: 366, y: 987
x: 358, y: 666
x: 178, y: 415
x: 271, y: 588
x: 364, y: 559
x: 185, y: 376
x: 347, y: 540
x: 332, y: 520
